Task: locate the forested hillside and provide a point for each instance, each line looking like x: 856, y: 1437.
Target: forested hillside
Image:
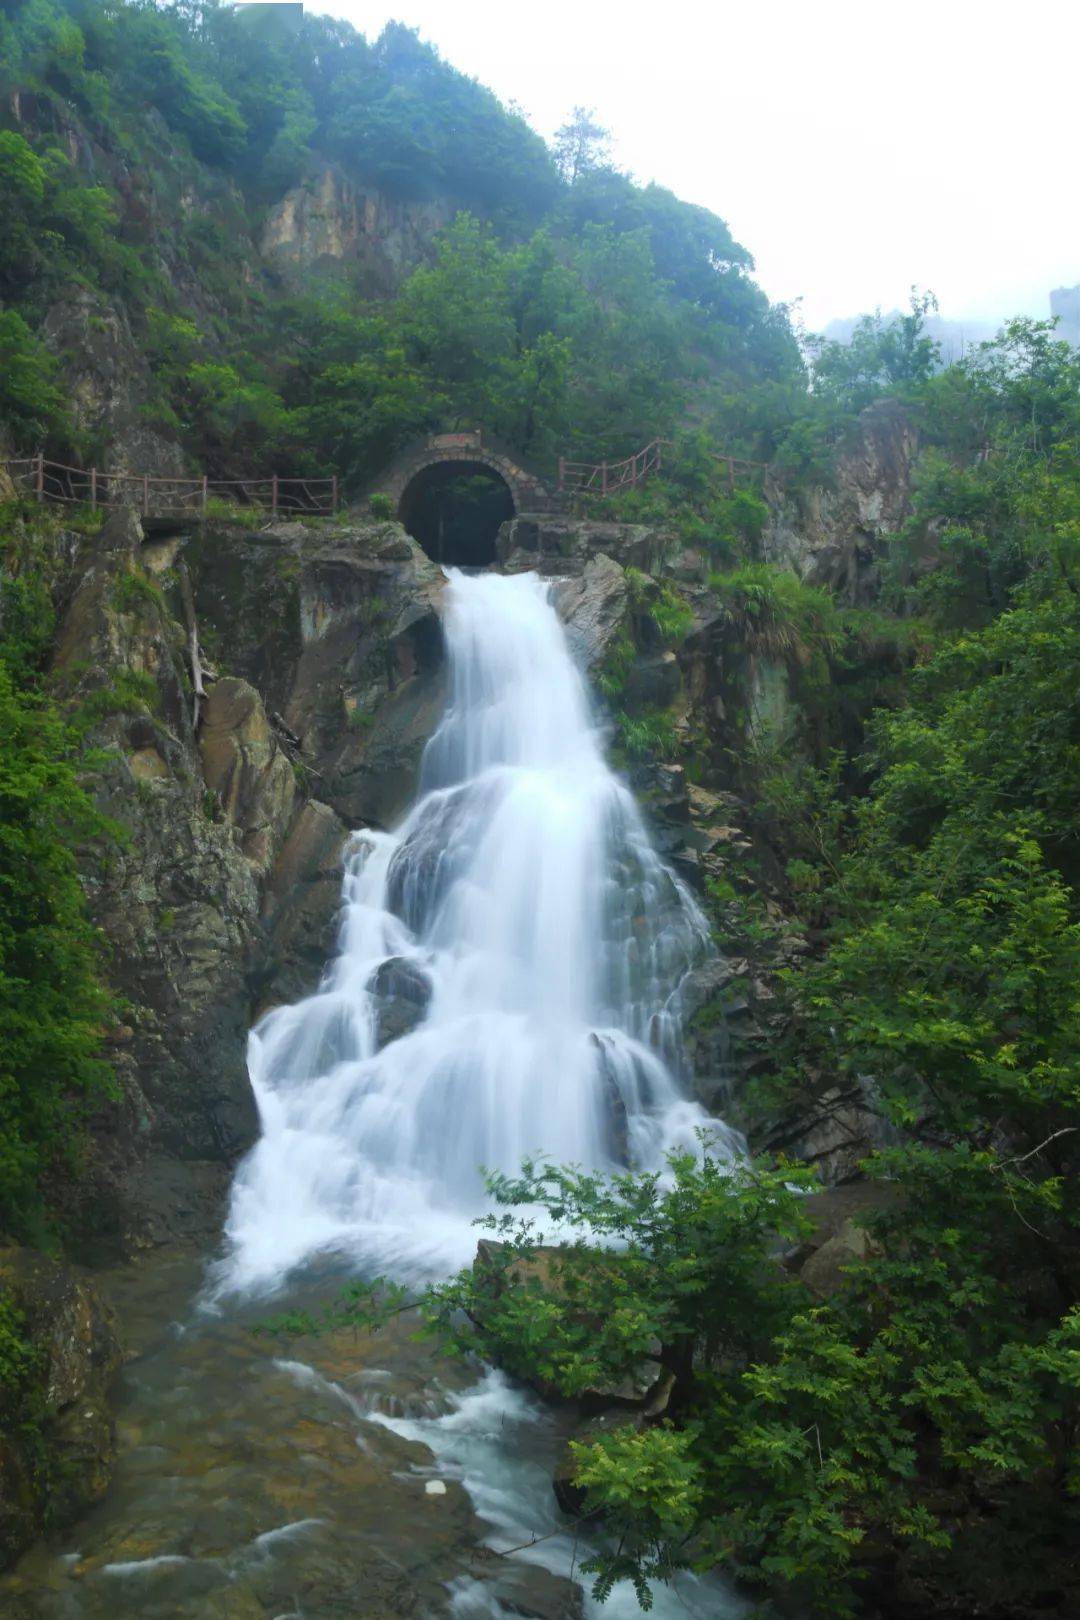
x: 899, y: 882
x: 142, y: 148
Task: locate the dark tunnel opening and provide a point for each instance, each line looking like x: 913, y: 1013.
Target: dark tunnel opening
x: 454, y: 510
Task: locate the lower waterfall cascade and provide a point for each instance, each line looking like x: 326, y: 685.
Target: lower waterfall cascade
x: 529, y: 946
x: 524, y: 913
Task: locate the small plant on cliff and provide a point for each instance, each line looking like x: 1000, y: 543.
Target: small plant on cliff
x: 616, y: 666
x: 670, y: 612
x: 132, y: 590
x: 649, y: 735
x: 381, y: 507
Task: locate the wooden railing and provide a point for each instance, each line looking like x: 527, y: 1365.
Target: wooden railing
x: 608, y: 477
x: 604, y: 478
x: 44, y: 480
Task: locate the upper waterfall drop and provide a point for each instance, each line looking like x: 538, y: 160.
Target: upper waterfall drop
x: 523, y: 892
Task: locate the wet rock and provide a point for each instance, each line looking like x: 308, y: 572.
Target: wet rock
x: 368, y: 685
x: 839, y: 1238
x: 662, y: 789
x: 401, y: 993
x: 618, y: 1124
x: 56, y: 1457
x: 593, y: 608
x: 301, y: 905
x: 827, y: 1268
x: 653, y: 682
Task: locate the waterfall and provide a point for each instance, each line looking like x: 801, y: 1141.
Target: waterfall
x: 529, y: 945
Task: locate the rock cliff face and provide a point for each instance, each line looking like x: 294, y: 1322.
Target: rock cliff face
x: 219, y: 897
x: 835, y: 536
x: 329, y: 225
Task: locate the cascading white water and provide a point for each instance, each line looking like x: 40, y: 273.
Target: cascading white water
x: 523, y: 899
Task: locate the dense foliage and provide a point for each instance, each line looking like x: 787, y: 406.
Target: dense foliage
x: 576, y: 317
x: 53, y: 1003
x: 929, y: 1411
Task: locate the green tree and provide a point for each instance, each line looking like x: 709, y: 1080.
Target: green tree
x: 581, y: 145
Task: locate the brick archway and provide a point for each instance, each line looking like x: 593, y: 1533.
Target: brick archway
x: 474, y: 448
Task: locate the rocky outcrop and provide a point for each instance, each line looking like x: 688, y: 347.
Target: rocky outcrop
x: 108, y: 382
x: 835, y: 536
x: 300, y: 908
x: 592, y: 606
x: 557, y: 544
x: 368, y: 690
x: 245, y: 768
x: 176, y: 895
x: 219, y: 899
x: 56, y: 1430
x: 329, y: 223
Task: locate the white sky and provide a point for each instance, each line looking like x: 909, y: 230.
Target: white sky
x: 854, y: 147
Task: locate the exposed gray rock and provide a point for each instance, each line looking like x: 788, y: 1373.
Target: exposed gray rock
x: 108, y: 380
x: 593, y: 606
x: 834, y: 536
x: 401, y: 992
x: 555, y: 545
x: 300, y: 907
x: 179, y: 896
x: 329, y: 222
x: 834, y: 1130
x: 246, y: 769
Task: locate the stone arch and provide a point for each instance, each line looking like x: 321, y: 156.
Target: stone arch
x: 444, y: 458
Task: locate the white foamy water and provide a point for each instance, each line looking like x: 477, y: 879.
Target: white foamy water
x: 491, y: 1439
x: 523, y: 899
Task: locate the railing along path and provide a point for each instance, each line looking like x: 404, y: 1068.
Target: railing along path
x: 46, y: 480
x: 603, y: 478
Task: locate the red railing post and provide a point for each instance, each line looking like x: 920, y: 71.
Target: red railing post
x: 562, y: 474
x: 273, y: 495
x: 603, y: 478
x: 93, y: 489
x: 334, y: 496
x: 146, y: 494
x: 41, y: 475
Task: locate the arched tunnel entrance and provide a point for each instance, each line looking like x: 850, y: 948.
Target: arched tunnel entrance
x: 454, y: 509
